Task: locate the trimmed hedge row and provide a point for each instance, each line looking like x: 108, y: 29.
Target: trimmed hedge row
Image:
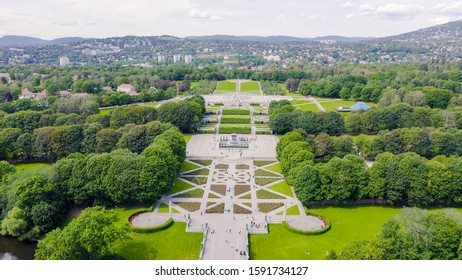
x: 205, y: 132
x: 232, y: 129
x: 260, y: 122
x: 263, y: 132
x: 235, y: 112
x: 244, y: 120
x: 254, y: 104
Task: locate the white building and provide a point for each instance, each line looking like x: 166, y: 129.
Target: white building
x: 188, y: 59
x: 161, y: 59
x: 176, y: 58
x: 64, y: 61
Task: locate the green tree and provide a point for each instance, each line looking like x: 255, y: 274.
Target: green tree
x: 92, y: 235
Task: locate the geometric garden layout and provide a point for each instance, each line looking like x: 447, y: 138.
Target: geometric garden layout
x: 229, y: 193
x: 227, y: 199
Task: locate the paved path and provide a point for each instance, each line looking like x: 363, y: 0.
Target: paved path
x: 227, y: 231
x: 315, y: 101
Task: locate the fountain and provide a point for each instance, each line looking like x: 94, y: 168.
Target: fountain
x: 234, y: 142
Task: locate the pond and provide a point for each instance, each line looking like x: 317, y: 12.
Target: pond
x: 13, y: 249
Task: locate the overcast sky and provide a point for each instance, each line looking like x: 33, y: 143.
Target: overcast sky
x: 49, y: 19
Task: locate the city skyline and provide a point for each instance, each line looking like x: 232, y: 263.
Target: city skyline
x: 50, y: 19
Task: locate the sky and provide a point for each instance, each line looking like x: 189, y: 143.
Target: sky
x: 50, y: 19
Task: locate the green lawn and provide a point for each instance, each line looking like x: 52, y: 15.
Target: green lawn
x: 283, y: 188
x: 300, y: 101
x: 187, y: 166
x: 290, y: 211
x: 104, y: 111
x: 193, y: 84
x: 250, y: 87
x: 295, y: 95
x: 187, y: 137
x: 163, y: 208
x: 179, y: 186
x: 33, y: 167
x: 348, y: 225
x: 332, y: 105
x: 226, y: 86
x: 275, y: 168
x: 173, y: 243
x: 308, y: 107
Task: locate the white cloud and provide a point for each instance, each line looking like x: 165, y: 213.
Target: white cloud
x: 441, y: 20
x: 392, y: 11
x: 196, y: 13
x: 281, y: 17
x: 348, y: 4
x: 349, y: 16
x: 449, y: 9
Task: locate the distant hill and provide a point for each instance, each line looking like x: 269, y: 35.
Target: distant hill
x: 451, y: 31
x: 277, y: 39
x: 13, y: 40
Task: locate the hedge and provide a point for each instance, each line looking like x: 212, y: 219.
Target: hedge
x: 235, y: 112
x: 260, y: 122
x: 218, y: 104
x: 309, y: 232
x: 232, y: 129
x: 161, y: 227
x: 263, y: 132
x: 205, y: 132
x: 245, y: 120
x: 254, y: 104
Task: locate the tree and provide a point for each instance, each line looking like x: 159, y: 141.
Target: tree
x: 92, y: 235
x: 307, y: 185
x: 6, y: 168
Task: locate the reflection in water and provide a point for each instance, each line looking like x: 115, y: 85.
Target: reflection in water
x: 8, y: 256
x: 13, y: 249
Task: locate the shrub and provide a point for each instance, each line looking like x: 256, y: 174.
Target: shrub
x: 243, y: 120
x: 239, y: 130
x: 161, y: 227
x: 235, y: 112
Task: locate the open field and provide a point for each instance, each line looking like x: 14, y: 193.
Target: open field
x: 179, y: 186
x: 283, y: 188
x: 250, y: 87
x: 348, y: 225
x: 308, y: 107
x: 32, y: 167
x: 187, y: 166
x: 104, y: 111
x: 332, y: 105
x: 173, y: 243
x: 226, y: 86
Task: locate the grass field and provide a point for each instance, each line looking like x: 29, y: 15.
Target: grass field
x: 187, y: 137
x: 308, y: 107
x: 283, y: 188
x: 163, y: 208
x: 348, y: 225
x: 179, y: 186
x: 294, y: 95
x: 193, y: 85
x: 187, y: 166
x: 173, y: 243
x: 290, y: 211
x: 275, y: 168
x: 33, y: 167
x: 250, y: 87
x: 226, y: 86
x: 104, y: 111
x: 332, y: 105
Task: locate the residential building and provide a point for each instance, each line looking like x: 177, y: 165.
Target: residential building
x: 188, y: 59
x: 128, y: 89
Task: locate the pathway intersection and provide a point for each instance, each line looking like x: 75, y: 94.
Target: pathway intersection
x: 229, y: 193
